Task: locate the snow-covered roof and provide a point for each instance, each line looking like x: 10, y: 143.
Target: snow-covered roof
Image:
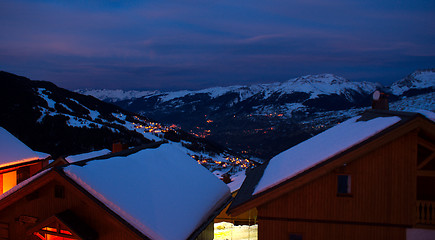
x: 89, y: 155
x: 237, y: 181
x: 323, y: 148
x: 152, y: 187
x: 13, y: 151
x: 320, y: 148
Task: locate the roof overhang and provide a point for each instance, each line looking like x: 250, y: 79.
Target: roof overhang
x: 415, y: 123
x: 13, y: 166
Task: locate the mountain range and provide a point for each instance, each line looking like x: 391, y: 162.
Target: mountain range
x: 60, y: 122
x: 264, y: 119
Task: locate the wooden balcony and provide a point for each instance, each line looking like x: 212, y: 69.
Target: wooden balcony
x: 426, y: 213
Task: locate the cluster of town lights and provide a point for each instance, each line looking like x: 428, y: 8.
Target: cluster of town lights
x: 153, y: 127
x: 229, y: 161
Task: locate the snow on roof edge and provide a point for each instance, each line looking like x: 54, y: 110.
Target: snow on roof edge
x: 13, y: 151
x: 279, y: 170
x: 140, y: 220
x: 88, y: 155
x: 116, y: 209
x: 428, y: 114
x: 22, y: 184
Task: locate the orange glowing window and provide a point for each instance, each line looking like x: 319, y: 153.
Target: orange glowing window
x: 59, y: 227
x: 55, y: 231
x: 50, y: 233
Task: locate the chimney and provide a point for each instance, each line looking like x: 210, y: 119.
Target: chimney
x: 118, y: 147
x: 226, y: 178
x: 380, y: 100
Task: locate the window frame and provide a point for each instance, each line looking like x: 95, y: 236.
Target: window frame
x: 348, y: 183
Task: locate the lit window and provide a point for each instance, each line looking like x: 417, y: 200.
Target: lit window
x: 9, y: 180
x: 51, y: 233
x: 343, y: 185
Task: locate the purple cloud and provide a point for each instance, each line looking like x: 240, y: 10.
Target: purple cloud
x: 192, y: 44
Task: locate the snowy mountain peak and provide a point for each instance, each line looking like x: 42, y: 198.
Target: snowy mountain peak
x: 417, y: 80
x: 116, y: 95
x: 325, y: 78
x: 327, y: 84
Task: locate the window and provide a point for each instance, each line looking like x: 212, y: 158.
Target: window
x: 59, y: 191
x: 295, y: 236
x: 343, y: 185
x: 58, y: 227
x: 51, y: 233
x: 9, y: 180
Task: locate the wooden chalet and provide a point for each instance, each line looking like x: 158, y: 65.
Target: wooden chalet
x: 17, y: 161
x: 370, y: 177
x: 140, y: 193
x: 247, y: 218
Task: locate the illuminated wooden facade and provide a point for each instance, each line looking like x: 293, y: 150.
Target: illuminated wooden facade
x: 384, y: 188
x: 37, y: 205
x: 52, y: 206
x: 56, y: 204
x: 18, y: 162
x: 13, y: 174
x: 247, y: 218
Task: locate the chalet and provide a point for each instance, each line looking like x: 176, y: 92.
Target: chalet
x: 17, y: 161
x: 154, y: 192
x: 370, y: 177
x: 247, y: 218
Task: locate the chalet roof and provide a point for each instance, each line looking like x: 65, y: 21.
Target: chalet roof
x: 152, y: 188
x: 160, y: 192
x: 319, y: 150
x: 13, y: 151
x: 85, y: 156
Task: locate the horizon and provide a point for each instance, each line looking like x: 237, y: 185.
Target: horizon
x: 245, y: 85
x: 234, y: 85
x: 194, y: 45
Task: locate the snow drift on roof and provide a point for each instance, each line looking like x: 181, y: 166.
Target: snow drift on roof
x: 237, y: 181
x: 153, y: 188
x: 89, y: 155
x: 13, y: 151
x: 319, y: 148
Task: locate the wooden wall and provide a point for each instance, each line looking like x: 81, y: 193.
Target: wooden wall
x: 46, y: 205
x: 323, y: 231
x: 381, y: 204
x: 30, y: 170
x: 247, y: 218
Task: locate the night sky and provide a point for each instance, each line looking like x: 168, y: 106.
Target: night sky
x: 172, y: 45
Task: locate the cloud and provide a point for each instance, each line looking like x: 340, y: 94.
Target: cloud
x: 200, y: 44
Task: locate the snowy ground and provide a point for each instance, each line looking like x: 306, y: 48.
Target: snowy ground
x: 227, y: 231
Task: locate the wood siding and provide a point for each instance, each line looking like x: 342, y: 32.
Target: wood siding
x: 323, y: 231
x: 247, y: 218
x: 41, y: 203
x: 381, y: 204
x: 32, y: 170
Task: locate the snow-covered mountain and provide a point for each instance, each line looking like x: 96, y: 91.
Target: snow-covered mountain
x: 264, y: 119
x: 314, y: 85
x: 60, y: 122
x: 423, y: 80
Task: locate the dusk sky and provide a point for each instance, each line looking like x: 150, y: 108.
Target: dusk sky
x: 191, y: 44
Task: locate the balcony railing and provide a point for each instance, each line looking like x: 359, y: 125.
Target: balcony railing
x: 426, y: 213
